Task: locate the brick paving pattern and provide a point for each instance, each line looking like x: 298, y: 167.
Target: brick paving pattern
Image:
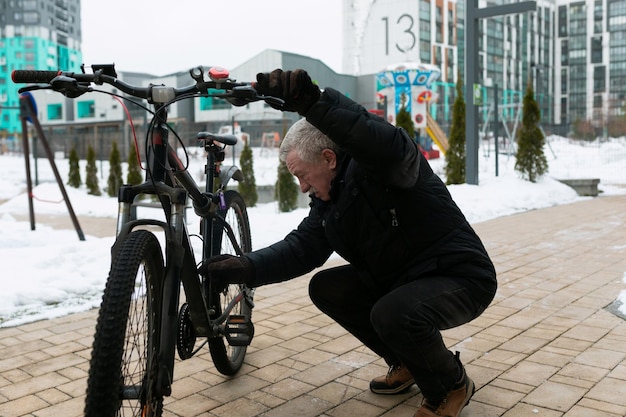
x: 547, y: 346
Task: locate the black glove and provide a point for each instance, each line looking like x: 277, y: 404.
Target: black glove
x: 223, y: 270
x: 295, y: 87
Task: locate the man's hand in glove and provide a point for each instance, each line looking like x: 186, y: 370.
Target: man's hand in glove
x: 295, y: 87
x: 223, y: 270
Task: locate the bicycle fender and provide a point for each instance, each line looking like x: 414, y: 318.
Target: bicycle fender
x: 230, y: 172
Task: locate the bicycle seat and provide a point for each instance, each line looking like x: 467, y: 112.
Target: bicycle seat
x: 225, y: 139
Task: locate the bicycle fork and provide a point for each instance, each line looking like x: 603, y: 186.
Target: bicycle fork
x: 179, y: 261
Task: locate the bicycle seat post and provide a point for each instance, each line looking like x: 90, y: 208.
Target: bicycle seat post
x: 215, y: 155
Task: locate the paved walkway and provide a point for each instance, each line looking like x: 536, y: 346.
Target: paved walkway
x: 547, y: 346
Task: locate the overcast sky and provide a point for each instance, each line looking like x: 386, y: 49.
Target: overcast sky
x: 207, y: 32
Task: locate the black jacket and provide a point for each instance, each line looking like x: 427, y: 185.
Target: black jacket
x: 389, y: 215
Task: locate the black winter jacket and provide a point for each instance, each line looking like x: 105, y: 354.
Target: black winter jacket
x: 389, y: 215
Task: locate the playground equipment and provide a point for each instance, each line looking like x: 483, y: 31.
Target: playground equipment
x: 436, y: 133
x: 411, y: 80
x: 408, y: 85
x: 270, y: 141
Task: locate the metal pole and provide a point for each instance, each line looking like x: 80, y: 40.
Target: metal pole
x: 471, y: 111
x: 232, y: 123
x: 36, y: 161
x: 472, y: 16
x: 497, y: 124
x: 27, y: 106
x: 24, y: 112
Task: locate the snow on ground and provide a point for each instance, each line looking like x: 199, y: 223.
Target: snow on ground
x: 48, y: 273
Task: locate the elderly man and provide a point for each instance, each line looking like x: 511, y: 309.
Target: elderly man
x: 414, y: 264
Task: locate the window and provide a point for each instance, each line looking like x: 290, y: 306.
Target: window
x: 425, y: 51
x: 599, y: 79
x: 425, y: 10
x: 597, y: 101
x: 86, y: 109
x: 31, y: 17
x: 596, y: 49
x: 55, y: 111
x: 211, y: 103
x: 562, y: 19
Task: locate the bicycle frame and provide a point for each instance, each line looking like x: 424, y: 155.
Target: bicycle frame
x: 180, y: 264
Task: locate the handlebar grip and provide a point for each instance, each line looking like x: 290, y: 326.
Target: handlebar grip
x: 33, y: 76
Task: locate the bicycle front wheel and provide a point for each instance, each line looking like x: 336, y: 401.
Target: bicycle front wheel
x: 228, y: 359
x: 123, y: 366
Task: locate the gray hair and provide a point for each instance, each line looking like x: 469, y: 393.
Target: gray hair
x: 308, y: 142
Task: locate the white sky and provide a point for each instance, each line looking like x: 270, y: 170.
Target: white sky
x: 204, y: 32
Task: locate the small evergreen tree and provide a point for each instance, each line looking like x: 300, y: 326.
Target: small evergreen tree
x: 134, y: 176
x: 115, y: 172
x: 91, y: 179
x: 455, y: 155
x: 74, y: 174
x: 403, y: 118
x: 286, y: 189
x: 530, y: 161
x: 247, y: 187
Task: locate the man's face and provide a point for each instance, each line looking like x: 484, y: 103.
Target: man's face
x: 314, y: 177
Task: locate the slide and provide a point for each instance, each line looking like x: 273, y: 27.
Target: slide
x: 436, y: 134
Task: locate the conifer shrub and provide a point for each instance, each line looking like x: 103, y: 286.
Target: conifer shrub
x: 134, y: 175
x: 403, y: 118
x: 247, y: 187
x: 115, y: 172
x: 455, y: 155
x: 74, y: 179
x: 531, y: 161
x: 286, y: 191
x: 91, y: 178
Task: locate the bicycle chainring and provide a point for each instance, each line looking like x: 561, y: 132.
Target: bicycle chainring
x: 186, y: 337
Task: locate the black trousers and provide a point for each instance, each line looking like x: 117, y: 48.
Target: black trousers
x: 403, y: 325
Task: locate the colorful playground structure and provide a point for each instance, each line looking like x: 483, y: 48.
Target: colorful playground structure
x: 409, y: 85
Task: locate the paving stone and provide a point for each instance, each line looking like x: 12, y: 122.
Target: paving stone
x: 545, y: 347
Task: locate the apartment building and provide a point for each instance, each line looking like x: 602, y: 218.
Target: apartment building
x: 572, y: 52
x: 35, y: 34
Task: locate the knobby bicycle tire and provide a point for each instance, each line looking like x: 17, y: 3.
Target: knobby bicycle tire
x: 228, y: 359
x: 123, y: 366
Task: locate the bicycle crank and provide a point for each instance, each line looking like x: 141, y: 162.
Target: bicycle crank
x: 186, y: 337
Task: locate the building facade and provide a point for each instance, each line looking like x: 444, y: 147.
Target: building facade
x: 35, y: 34
x: 590, y: 71
x: 572, y: 52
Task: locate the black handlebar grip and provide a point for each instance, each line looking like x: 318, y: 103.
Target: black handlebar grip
x: 33, y: 76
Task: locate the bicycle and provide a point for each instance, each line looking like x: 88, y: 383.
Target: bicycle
x: 140, y: 324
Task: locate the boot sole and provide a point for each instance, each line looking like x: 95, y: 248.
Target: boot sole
x: 393, y: 391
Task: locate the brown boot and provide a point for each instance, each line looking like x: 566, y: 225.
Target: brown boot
x: 397, y: 380
x: 452, y: 404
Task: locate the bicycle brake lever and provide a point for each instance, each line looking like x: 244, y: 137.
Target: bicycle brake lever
x: 33, y: 87
x: 275, y: 102
x: 68, y: 86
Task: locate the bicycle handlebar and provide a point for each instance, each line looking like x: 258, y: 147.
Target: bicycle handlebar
x: 73, y: 84
x: 33, y: 76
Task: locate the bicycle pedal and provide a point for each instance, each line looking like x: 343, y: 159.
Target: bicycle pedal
x: 239, y: 330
